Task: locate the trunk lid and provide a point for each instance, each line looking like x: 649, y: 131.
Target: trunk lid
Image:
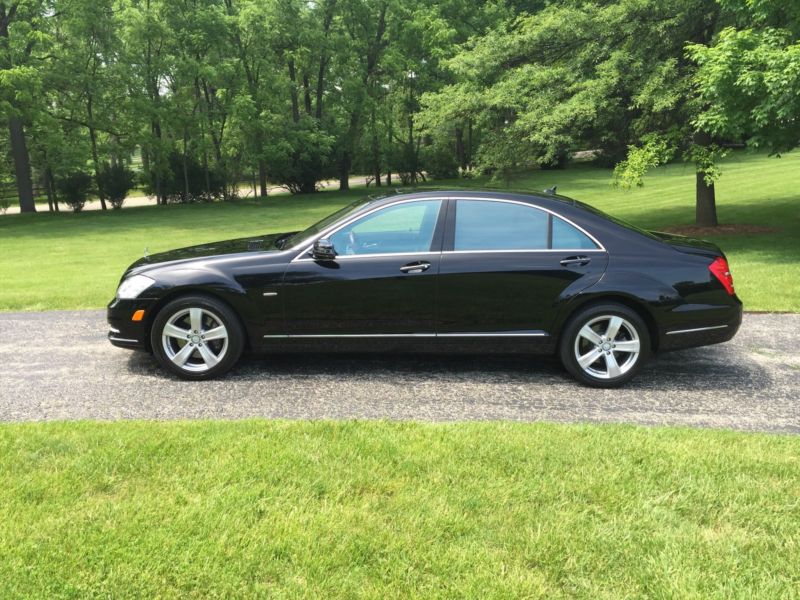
x: 689, y: 245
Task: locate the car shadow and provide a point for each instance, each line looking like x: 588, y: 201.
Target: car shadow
x: 702, y: 369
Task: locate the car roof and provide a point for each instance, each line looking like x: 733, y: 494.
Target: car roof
x: 541, y: 198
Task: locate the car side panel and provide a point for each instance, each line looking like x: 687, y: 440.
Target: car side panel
x: 694, y: 300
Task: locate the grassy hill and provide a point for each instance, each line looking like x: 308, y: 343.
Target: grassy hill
x: 50, y: 261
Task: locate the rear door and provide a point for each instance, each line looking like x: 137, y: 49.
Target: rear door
x: 505, y: 267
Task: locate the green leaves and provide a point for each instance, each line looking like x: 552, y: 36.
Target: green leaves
x: 749, y: 83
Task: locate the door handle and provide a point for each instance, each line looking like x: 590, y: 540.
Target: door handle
x: 579, y: 261
x: 416, y: 267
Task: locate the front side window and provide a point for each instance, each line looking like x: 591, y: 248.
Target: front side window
x: 486, y: 225
x: 401, y: 228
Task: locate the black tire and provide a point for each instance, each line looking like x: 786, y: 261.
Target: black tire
x: 199, y: 359
x: 601, y: 372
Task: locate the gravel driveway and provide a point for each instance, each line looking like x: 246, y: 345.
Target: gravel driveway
x: 58, y: 365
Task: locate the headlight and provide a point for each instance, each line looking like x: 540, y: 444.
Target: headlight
x: 133, y: 286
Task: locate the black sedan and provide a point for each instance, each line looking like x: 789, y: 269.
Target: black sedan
x: 475, y: 272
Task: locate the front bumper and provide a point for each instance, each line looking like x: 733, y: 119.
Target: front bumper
x: 125, y: 332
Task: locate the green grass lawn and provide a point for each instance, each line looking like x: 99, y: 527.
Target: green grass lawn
x: 66, y: 260
x: 385, y: 510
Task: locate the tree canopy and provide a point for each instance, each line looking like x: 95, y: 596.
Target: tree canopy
x: 200, y: 96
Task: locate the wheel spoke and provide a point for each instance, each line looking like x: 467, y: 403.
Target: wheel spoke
x: 589, y: 333
x: 175, y: 331
x: 614, y: 323
x: 218, y: 333
x: 627, y: 346
x: 587, y: 359
x: 196, y: 319
x: 612, y: 366
x: 183, y: 355
x: 208, y: 356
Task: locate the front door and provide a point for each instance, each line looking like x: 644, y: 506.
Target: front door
x: 382, y: 282
x: 505, y: 266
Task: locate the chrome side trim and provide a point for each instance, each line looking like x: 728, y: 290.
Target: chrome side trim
x: 697, y: 329
x: 118, y: 339
x: 408, y: 335
x: 498, y: 334
x: 355, y: 335
x: 269, y: 294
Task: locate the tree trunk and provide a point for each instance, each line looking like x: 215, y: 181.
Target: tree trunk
x: 705, y: 195
x: 262, y: 177
x: 706, y: 203
x: 344, y: 171
x: 22, y: 165
x: 50, y: 206
x: 95, y: 159
x: 460, y: 154
x: 469, y: 144
x: 389, y: 178
x: 156, y: 129
x: 185, y: 164
x: 50, y: 184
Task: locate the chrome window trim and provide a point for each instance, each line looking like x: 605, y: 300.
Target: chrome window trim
x: 335, y: 228
x: 376, y: 255
x: 302, y: 256
x: 520, y: 251
x: 696, y: 329
x: 405, y: 335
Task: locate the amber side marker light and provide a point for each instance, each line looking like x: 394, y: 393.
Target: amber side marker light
x: 138, y: 315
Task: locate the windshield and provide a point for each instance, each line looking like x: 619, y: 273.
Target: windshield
x: 296, y: 238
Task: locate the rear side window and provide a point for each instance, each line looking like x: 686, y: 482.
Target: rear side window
x: 484, y: 225
x: 568, y: 237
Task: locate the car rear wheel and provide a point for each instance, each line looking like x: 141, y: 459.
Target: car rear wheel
x: 605, y: 345
x: 197, y: 337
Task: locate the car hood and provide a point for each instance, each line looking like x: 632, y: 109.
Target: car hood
x: 261, y: 243
x: 689, y: 245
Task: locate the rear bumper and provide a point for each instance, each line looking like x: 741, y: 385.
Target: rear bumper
x: 124, y: 332
x: 707, y: 327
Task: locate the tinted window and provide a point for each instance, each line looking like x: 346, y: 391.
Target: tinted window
x: 320, y: 225
x: 569, y: 237
x: 484, y: 225
x: 400, y: 228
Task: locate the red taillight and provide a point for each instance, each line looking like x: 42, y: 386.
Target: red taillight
x: 721, y: 271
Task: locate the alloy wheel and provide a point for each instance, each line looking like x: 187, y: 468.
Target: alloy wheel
x: 195, y: 339
x: 607, y: 347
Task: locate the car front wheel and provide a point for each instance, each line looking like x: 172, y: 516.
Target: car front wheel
x: 197, y: 337
x: 605, y: 345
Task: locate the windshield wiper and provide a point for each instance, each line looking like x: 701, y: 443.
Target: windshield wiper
x: 281, y: 241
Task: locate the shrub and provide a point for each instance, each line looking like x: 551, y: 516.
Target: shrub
x: 74, y: 189
x: 203, y: 186
x: 116, y: 182
x: 440, y: 162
